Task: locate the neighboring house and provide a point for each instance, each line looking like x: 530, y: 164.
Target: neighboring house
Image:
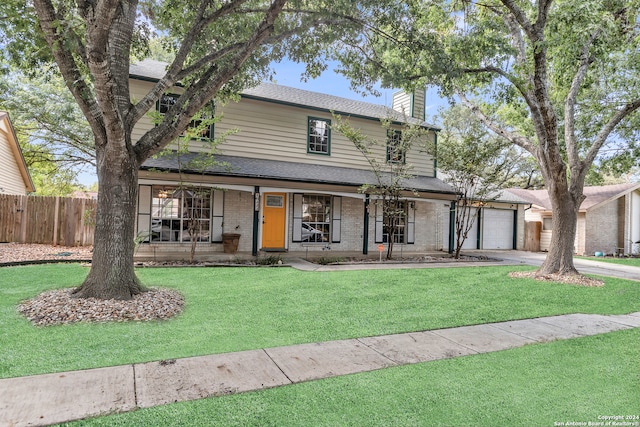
x: 290, y: 183
x: 82, y: 194
x: 608, y: 219
x: 15, y: 178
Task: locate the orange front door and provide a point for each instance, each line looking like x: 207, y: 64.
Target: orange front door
x: 273, y: 220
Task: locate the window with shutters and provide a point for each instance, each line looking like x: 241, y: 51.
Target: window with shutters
x: 395, y: 222
x: 316, y: 218
x: 180, y: 214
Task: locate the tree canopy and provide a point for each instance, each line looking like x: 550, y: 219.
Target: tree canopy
x: 555, y: 78
x: 476, y: 163
x: 219, y: 48
x: 56, y: 141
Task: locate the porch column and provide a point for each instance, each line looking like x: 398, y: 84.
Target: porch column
x: 256, y: 219
x: 452, y: 226
x: 365, y: 233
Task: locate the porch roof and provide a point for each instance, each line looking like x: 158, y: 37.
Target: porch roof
x: 234, y: 166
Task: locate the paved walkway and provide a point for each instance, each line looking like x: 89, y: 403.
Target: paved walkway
x: 55, y: 398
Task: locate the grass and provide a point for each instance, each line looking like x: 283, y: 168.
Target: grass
x: 234, y: 309
x: 633, y: 262
x: 574, y: 380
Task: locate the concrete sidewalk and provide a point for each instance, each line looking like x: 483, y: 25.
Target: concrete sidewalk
x: 55, y: 398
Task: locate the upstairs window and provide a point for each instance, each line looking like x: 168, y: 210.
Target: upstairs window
x: 196, y: 129
x: 319, y: 136
x: 395, y: 150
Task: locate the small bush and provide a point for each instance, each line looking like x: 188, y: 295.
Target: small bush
x: 329, y: 260
x: 269, y: 260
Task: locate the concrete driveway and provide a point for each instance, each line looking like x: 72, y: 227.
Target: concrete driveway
x: 584, y: 266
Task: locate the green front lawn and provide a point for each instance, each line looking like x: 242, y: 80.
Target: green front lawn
x: 233, y: 309
x: 574, y: 380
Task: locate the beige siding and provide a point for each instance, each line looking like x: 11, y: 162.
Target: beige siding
x: 402, y: 102
x: 138, y: 90
x: 418, y: 104
x: 268, y: 130
x: 279, y: 132
x: 11, y: 181
x: 545, y: 240
x: 581, y: 226
x: 411, y: 104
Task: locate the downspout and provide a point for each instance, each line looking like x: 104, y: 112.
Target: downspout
x: 515, y: 229
x: 452, y: 225
x: 365, y: 233
x: 256, y: 219
x: 479, y: 235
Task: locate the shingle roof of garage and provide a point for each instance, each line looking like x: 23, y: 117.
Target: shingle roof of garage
x: 595, y: 195
x: 149, y: 69
x: 288, y: 171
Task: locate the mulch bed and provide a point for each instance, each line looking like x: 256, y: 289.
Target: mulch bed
x: 61, y: 307
x: 576, y: 279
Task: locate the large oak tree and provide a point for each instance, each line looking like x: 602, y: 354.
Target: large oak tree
x: 557, y: 78
x: 220, y: 46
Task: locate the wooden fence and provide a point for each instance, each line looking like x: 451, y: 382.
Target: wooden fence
x: 49, y: 220
x: 532, y: 231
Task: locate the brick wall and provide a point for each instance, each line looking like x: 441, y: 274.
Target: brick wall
x: 601, y: 229
x: 238, y: 217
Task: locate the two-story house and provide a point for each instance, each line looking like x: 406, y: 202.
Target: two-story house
x: 286, y: 181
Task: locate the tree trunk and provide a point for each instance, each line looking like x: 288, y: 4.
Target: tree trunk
x: 565, y: 208
x: 112, y: 275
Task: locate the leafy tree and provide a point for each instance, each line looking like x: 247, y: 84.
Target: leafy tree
x: 477, y: 164
x: 48, y: 178
x: 552, y: 77
x: 387, y: 162
x: 473, y: 163
x: 56, y: 139
x: 220, y: 47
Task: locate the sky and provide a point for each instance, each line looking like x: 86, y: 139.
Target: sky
x: 331, y: 83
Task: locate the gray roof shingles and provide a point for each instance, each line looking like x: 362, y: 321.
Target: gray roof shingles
x: 594, y: 195
x: 289, y: 171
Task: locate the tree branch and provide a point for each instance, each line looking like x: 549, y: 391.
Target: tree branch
x: 499, y: 130
x: 607, y: 129
x: 570, y: 101
x: 209, y: 84
x: 520, y: 17
x: 74, y: 80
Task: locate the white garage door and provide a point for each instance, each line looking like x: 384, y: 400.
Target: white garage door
x: 472, y: 236
x: 497, y: 229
